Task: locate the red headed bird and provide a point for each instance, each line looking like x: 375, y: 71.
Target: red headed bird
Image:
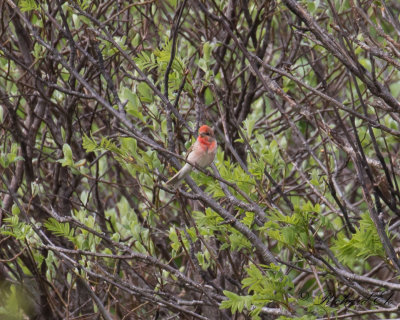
x: 201, y: 153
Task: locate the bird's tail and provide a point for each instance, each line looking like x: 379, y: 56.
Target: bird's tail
x: 179, y: 176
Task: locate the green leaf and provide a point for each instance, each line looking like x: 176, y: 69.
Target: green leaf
x: 207, y: 50
x: 27, y: 5
x: 67, y: 151
x: 6, y: 159
x: 134, y: 105
x: 60, y: 229
x: 249, y: 126
x: 15, y: 210
x: 145, y: 92
x: 67, y: 160
x: 363, y: 244
x: 16, y: 228
x: 236, y: 302
x: 89, y: 144
x: 11, y: 301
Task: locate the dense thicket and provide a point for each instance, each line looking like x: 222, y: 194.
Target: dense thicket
x: 297, y: 218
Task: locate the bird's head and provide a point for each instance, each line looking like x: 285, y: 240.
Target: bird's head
x: 206, y: 131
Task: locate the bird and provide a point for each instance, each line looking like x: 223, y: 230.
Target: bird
x: 201, y: 153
